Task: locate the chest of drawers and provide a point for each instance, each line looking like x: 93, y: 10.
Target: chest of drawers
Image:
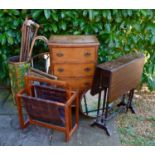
x: 73, y: 59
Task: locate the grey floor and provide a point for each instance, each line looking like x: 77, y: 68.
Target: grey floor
x: 11, y: 134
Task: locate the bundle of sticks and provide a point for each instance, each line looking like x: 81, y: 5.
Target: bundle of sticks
x: 29, y: 37
x: 29, y: 32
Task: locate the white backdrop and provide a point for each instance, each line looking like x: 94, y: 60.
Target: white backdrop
x: 77, y: 4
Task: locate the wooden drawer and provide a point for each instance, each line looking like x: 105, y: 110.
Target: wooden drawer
x: 73, y: 70
x: 85, y: 54
x: 79, y: 83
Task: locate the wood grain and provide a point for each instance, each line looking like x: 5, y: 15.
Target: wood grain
x: 73, y: 59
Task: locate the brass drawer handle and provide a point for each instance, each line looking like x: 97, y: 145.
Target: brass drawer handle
x: 87, y: 54
x: 86, y: 84
x: 60, y: 70
x: 60, y: 54
x: 87, y: 69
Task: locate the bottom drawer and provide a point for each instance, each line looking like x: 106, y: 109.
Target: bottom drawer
x: 79, y: 83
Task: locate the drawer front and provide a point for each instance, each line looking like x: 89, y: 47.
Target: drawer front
x: 79, y: 83
x: 84, y: 54
x: 74, y: 70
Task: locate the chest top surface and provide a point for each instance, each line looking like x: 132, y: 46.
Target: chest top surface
x: 73, y: 40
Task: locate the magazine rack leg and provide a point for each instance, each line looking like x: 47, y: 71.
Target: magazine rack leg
x: 67, y: 124
x: 23, y: 124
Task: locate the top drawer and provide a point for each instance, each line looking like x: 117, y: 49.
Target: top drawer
x: 80, y: 55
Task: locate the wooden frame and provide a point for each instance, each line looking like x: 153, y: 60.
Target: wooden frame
x: 72, y: 96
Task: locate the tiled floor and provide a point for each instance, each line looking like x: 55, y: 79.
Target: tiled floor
x: 11, y: 134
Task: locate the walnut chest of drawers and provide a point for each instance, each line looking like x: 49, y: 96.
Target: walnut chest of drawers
x: 73, y: 59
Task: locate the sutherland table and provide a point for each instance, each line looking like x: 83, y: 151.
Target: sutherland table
x: 73, y: 59
x: 116, y: 78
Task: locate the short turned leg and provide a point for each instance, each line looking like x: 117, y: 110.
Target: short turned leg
x: 129, y: 104
x: 122, y: 103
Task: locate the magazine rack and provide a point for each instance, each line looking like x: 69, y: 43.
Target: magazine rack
x: 48, y: 103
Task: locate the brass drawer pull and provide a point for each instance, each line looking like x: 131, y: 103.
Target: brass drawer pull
x: 87, y: 69
x: 60, y: 70
x: 87, y: 54
x: 60, y: 54
x: 86, y: 84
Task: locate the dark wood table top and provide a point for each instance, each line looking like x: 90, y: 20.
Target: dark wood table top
x: 119, y: 76
x: 120, y: 62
